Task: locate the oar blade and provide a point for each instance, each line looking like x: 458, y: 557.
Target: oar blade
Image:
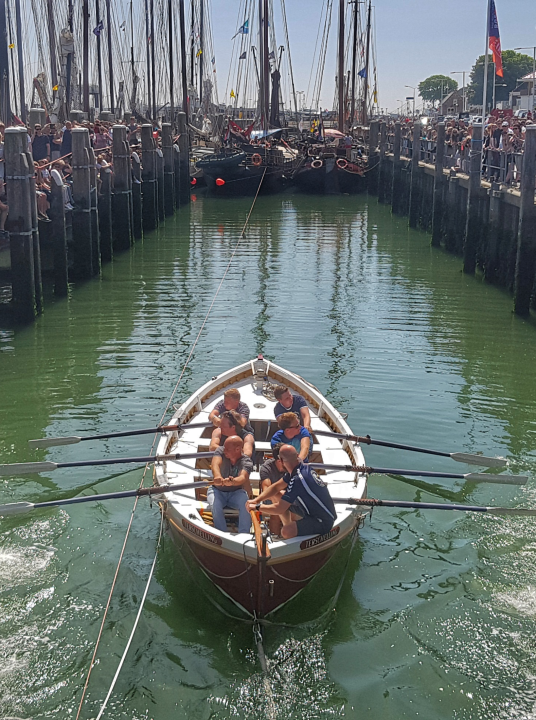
x: 27, y: 468
x: 497, y: 479
x: 482, y: 460
x: 54, y: 441
x: 18, y: 508
x: 510, y: 511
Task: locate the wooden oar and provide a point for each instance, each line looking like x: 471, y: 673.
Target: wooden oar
x: 20, y: 508
x: 47, y: 466
x: 467, y: 458
x: 370, y: 502
x: 74, y: 439
x: 470, y: 477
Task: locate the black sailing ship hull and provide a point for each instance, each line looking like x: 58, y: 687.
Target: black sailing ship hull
x: 327, y: 177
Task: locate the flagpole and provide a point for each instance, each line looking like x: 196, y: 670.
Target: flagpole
x: 486, y: 62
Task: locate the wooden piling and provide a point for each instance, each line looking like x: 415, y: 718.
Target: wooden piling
x: 177, y: 169
x: 184, y: 160
x: 382, y: 165
x: 35, y: 234
x: 491, y: 260
x: 439, y: 187
x: 137, y: 197
x: 415, y: 190
x: 59, y: 234
x: 373, y: 156
x: 526, y: 237
x: 169, y: 169
x: 20, y: 216
x: 397, y: 189
x: 37, y: 116
x: 122, y: 190
x: 82, y: 248
x: 160, y: 179
x: 95, y: 233
x: 473, y: 224
x: 148, y: 176
x: 105, y: 214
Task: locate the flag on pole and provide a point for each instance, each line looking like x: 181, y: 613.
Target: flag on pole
x: 199, y: 52
x: 363, y: 73
x: 100, y: 27
x: 213, y: 60
x: 123, y: 24
x: 495, y: 39
x: 243, y: 56
x: 243, y: 30
x: 233, y: 94
x: 11, y: 46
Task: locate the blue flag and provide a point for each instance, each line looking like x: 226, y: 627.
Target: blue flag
x: 363, y: 73
x: 100, y: 27
x: 243, y: 30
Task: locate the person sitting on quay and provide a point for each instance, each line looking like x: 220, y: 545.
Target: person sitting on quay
x: 305, y: 507
x: 230, y: 470
x: 287, y: 402
x: 231, y: 425
x: 231, y: 401
x: 292, y: 433
x: 271, y: 471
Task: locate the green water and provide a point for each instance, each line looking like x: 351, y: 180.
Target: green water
x: 437, y: 616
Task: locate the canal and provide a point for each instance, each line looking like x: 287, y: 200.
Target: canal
x: 437, y: 615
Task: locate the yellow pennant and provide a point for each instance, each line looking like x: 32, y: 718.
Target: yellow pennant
x: 375, y: 97
x: 232, y: 94
x: 199, y: 52
x: 55, y: 88
x: 11, y: 46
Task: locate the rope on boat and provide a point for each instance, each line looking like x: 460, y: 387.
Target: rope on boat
x: 136, y: 621
x: 170, y: 401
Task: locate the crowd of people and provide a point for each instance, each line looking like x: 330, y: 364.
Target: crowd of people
x: 51, y: 149
x: 298, y: 502
x: 504, y: 139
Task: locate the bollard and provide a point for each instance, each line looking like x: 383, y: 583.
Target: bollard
x: 148, y: 177
x: 105, y: 214
x: 59, y: 234
x: 526, y: 236
x: 169, y: 169
x: 439, y: 187
x: 95, y: 234
x: 415, y: 190
x: 122, y: 227
x: 397, y: 189
x: 20, y: 222
x: 491, y: 260
x: 382, y: 166
x: 177, y: 169
x: 473, y: 222
x: 137, y: 198
x: 37, y: 116
x: 160, y: 178
x: 373, y: 155
x: 184, y: 161
x: 82, y: 245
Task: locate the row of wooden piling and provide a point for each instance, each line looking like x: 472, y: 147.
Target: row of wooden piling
x: 135, y: 195
x: 493, y: 228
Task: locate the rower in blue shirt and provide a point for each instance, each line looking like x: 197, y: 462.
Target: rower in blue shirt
x: 292, y: 433
x: 305, y: 497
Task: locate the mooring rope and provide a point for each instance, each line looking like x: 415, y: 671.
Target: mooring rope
x: 106, y: 610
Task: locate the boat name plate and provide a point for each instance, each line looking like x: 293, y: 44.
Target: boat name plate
x: 203, y: 534
x: 319, y: 539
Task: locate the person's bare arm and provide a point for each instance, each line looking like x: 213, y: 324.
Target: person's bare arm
x: 279, y: 507
x: 215, y: 440
x: 268, y: 493
x: 216, y: 469
x: 237, y: 481
x: 305, y: 444
x: 214, y: 418
x: 306, y: 417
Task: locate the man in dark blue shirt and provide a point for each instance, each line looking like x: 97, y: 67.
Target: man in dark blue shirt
x: 287, y: 402
x: 305, y: 496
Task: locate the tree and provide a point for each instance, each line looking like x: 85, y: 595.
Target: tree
x: 431, y: 88
x: 515, y: 66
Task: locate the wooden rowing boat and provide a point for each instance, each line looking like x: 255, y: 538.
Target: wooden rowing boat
x: 258, y: 572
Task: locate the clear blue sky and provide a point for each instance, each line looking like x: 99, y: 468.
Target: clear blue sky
x: 415, y: 39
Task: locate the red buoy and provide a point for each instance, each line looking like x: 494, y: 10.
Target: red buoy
x: 220, y: 182
x: 193, y: 181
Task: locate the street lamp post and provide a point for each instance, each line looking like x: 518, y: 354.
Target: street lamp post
x: 462, y: 72
x: 412, y: 88
x: 533, y: 69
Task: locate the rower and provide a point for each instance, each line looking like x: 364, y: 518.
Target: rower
x: 231, y: 401
x: 271, y: 471
x: 292, y: 433
x: 287, y: 402
x: 306, y: 507
x: 230, y: 424
x: 230, y: 470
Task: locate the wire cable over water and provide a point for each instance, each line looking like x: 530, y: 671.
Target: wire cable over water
x: 166, y: 410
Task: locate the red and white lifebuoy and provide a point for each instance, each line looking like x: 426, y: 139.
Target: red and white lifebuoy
x: 317, y: 163
x: 342, y: 163
x: 256, y: 159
